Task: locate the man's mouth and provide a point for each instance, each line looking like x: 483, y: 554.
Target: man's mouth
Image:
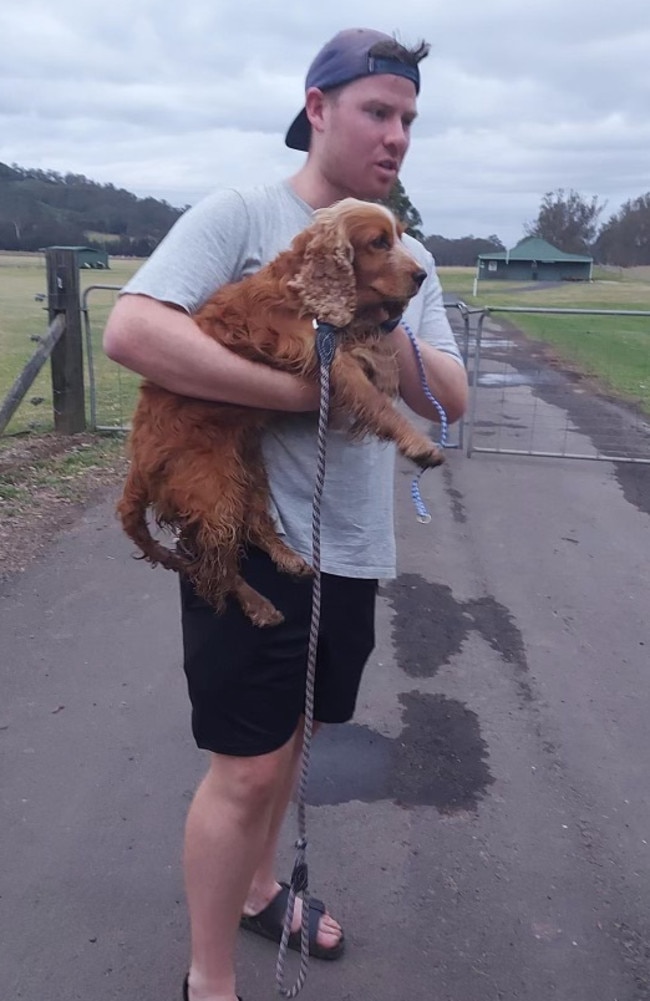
x: 389, y: 165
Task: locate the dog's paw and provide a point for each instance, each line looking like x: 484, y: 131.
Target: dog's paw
x: 265, y: 614
x: 426, y: 455
x: 296, y: 567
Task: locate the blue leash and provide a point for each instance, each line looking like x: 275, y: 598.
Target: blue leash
x: 423, y: 515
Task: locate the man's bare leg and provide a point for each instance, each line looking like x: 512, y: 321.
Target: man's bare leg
x: 264, y: 885
x: 227, y: 829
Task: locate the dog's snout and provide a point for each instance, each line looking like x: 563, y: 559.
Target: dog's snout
x: 418, y: 277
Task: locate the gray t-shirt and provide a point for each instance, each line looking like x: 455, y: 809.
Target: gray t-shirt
x: 231, y: 234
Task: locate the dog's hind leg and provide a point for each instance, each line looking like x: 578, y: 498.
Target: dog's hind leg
x: 262, y: 532
x: 132, y: 509
x: 257, y: 608
x: 211, y: 498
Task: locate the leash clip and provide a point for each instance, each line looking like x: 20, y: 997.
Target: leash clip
x: 325, y: 341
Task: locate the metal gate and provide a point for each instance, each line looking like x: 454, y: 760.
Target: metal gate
x: 526, y: 399
x: 112, y: 390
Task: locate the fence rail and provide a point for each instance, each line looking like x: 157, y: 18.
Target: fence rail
x: 24, y: 381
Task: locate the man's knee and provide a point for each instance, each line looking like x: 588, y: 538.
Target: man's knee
x: 249, y: 783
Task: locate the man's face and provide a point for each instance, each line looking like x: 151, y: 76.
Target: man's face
x: 364, y: 132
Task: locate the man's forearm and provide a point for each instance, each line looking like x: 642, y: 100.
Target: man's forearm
x: 447, y: 380
x: 164, y: 345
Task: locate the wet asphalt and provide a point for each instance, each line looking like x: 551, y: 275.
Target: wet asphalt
x: 482, y: 829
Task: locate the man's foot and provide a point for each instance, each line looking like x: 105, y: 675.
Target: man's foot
x: 265, y: 916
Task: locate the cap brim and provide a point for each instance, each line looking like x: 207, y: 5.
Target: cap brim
x: 299, y: 133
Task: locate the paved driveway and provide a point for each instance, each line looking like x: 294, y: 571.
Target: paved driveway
x: 482, y: 829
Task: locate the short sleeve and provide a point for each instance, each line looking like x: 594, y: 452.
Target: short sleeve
x: 426, y: 314
x: 205, y: 249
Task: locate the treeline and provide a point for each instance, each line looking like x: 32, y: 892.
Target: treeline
x: 570, y: 221
x: 625, y: 238
x: 41, y: 208
x: 461, y: 252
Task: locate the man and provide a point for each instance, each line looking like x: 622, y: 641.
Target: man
x: 247, y: 685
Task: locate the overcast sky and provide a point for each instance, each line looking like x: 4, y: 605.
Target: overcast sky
x: 176, y: 99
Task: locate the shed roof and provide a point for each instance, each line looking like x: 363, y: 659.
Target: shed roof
x: 92, y: 250
x: 533, y: 248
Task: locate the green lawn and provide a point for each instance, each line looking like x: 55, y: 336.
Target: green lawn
x: 615, y: 350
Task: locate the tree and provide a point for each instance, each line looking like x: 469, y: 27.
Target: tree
x: 400, y: 203
x: 625, y: 238
x: 462, y: 251
x: 567, y: 220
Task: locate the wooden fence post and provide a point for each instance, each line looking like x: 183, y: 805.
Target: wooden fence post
x: 67, y: 356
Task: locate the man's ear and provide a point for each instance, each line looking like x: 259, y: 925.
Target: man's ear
x: 315, y: 108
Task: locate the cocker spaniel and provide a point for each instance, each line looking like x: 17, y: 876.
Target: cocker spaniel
x: 198, y: 465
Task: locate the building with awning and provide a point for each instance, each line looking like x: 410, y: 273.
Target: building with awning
x: 534, y: 259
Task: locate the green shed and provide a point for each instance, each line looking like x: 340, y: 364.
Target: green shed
x: 88, y: 257
x: 534, y: 259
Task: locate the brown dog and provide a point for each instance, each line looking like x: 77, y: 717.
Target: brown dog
x: 198, y: 465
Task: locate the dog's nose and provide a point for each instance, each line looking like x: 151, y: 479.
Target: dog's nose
x: 419, y: 277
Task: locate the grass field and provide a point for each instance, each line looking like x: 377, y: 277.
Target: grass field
x: 617, y: 352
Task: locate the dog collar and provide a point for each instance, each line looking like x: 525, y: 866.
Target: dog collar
x: 389, y: 325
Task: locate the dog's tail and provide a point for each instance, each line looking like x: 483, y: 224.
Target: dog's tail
x: 132, y: 509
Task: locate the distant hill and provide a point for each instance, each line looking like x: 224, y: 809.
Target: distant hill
x: 40, y: 208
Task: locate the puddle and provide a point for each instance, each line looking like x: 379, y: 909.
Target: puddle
x: 496, y: 379
x: 496, y: 345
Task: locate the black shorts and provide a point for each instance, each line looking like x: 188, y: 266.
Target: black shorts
x: 247, y: 684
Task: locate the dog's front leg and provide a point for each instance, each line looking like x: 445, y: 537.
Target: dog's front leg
x: 354, y: 393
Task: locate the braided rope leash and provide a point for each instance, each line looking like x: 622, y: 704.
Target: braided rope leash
x: 325, y: 347
x: 423, y: 515
x: 299, y: 884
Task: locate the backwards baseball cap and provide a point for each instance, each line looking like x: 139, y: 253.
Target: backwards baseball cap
x: 346, y: 58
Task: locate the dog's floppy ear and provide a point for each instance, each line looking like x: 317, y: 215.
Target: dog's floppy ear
x: 325, y: 280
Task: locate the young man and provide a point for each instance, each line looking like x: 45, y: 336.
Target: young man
x: 246, y: 684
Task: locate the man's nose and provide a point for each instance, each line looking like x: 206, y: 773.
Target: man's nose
x: 397, y: 136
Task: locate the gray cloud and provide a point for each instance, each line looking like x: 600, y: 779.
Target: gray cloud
x: 175, y: 100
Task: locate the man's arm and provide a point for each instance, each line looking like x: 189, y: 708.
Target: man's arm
x: 446, y: 378
x: 445, y: 373
x: 163, y: 344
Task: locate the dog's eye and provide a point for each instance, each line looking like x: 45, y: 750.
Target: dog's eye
x: 381, y: 242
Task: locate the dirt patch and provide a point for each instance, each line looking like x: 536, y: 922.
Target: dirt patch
x: 45, y: 481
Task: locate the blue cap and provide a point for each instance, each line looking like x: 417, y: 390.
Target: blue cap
x: 343, y: 59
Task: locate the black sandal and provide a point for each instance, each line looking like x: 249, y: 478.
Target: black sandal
x: 186, y: 994
x: 269, y: 922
